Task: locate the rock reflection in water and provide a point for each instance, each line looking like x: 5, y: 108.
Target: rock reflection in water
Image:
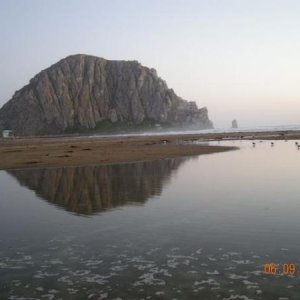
x: 92, y: 189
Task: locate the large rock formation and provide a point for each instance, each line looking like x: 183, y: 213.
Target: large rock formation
x: 87, y: 92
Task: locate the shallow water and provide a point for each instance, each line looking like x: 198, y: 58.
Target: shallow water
x: 185, y: 228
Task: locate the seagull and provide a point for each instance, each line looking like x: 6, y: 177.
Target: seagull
x: 253, y: 144
x: 272, y: 144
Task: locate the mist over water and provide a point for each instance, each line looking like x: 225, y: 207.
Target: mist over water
x: 215, y: 130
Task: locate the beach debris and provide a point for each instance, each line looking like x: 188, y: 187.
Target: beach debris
x: 165, y: 141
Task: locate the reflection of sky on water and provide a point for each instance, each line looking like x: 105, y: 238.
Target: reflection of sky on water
x: 206, y: 234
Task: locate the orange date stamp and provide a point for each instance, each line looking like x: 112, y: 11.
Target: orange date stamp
x: 288, y: 269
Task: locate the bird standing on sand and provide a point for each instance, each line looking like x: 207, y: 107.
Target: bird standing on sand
x: 253, y: 144
x: 272, y: 144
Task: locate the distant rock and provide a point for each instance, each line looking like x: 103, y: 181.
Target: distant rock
x: 234, y: 124
x: 87, y: 93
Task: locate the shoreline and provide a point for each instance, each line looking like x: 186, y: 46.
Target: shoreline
x: 63, y: 151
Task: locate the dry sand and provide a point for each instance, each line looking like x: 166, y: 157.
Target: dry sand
x: 75, y: 151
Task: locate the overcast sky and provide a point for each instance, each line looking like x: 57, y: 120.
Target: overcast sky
x: 240, y: 58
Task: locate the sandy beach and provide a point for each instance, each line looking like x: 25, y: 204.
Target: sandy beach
x: 83, y: 150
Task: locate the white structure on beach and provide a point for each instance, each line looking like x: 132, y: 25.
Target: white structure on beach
x: 7, y: 134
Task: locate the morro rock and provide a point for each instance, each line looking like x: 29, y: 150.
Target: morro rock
x: 88, y: 93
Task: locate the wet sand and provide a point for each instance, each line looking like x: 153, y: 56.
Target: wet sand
x: 83, y: 150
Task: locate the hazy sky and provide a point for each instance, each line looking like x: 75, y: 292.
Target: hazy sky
x: 240, y: 58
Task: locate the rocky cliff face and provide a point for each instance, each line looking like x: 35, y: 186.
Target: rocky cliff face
x: 88, y: 190
x: 84, y: 92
